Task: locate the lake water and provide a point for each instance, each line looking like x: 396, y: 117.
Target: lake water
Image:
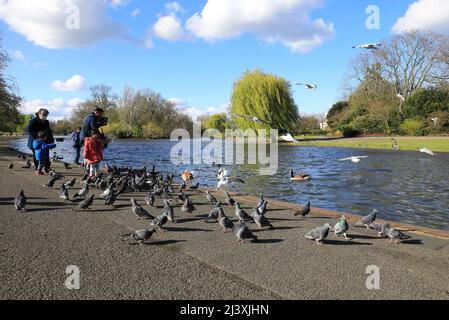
x: 405, y: 186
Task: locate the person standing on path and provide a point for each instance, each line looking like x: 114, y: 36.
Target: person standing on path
x: 77, y: 144
x: 93, y: 153
x: 39, y: 123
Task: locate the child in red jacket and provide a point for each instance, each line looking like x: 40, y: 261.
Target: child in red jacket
x: 93, y: 153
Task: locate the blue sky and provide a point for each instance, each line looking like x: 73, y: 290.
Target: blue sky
x: 194, y: 62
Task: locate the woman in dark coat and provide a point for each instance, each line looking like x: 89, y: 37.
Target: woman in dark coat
x: 39, y: 123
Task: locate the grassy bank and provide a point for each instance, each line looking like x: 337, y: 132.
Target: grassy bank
x: 437, y: 144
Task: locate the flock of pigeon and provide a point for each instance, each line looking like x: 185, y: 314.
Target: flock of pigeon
x: 125, y: 180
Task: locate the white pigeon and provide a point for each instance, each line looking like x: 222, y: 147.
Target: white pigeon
x: 426, y: 150
x: 371, y: 46
x: 308, y: 85
x: 354, y: 159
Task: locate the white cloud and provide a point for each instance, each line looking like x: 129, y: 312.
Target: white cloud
x: 431, y: 15
x: 45, y: 22
x: 19, y: 56
x: 75, y: 83
x: 135, y: 12
x: 59, y: 108
x: 118, y: 3
x: 174, y: 7
x: 169, y: 28
x: 285, y: 21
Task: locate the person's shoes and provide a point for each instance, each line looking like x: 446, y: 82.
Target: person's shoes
x: 39, y: 173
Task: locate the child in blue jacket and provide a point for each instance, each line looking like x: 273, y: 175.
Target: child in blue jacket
x: 42, y: 152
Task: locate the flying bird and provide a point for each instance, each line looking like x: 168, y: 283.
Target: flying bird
x: 427, y: 151
x: 284, y: 134
x: 308, y: 85
x: 354, y: 159
x: 370, y: 46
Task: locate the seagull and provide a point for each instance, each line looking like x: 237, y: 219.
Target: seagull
x: 426, y: 150
x: 285, y: 135
x: 140, y: 235
x: 225, y: 182
x: 341, y: 227
x: 253, y: 119
x: 243, y: 233
x: 371, y: 46
x: 367, y: 220
x: 308, y: 85
x: 354, y: 159
x: 20, y: 201
x: 222, y: 173
x: 319, y: 234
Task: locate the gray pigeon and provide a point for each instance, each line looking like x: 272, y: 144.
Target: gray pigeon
x: 149, y: 200
x: 380, y: 228
x: 140, y: 235
x: 227, y: 224
x: 341, y: 227
x: 110, y: 199
x: 86, y: 203
x: 304, y: 211
x: 107, y: 192
x: 27, y: 165
x: 139, y: 211
x: 319, y: 234
x: 229, y: 200
x: 211, y: 198
x: 261, y: 200
x: 51, y: 182
x: 20, y: 201
x: 63, y: 193
x: 215, y: 213
x: 188, y: 206
x: 260, y: 220
x: 160, y: 221
x: 240, y: 213
x: 243, y: 233
x: 262, y: 208
x: 168, y: 210
x: 83, y: 192
x: 395, y: 235
x: 365, y: 221
x: 70, y: 183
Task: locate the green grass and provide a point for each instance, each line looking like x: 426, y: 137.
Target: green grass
x: 437, y: 144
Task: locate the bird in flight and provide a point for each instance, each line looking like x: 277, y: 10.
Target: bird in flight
x: 284, y: 134
x: 354, y: 159
x: 308, y: 85
x: 370, y: 46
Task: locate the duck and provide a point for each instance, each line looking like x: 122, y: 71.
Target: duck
x: 302, y: 177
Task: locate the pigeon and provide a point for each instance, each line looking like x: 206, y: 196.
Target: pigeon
x: 211, y: 198
x: 66, y: 166
x: 319, y: 234
x: 110, y: 198
x: 365, y: 221
x: 260, y: 220
x: 168, y: 210
x: 86, y: 203
x: 107, y: 192
x: 27, y: 165
x: 341, y: 227
x: 188, y: 206
x: 139, y: 211
x: 51, y: 182
x: 63, y: 193
x: 427, y: 151
x: 261, y: 200
x: 355, y: 159
x: 240, y: 213
x: 215, y: 213
x: 140, y: 235
x: 304, y: 211
x: 243, y: 233
x: 225, y: 222
x: 380, y: 228
x: 11, y: 166
x: 83, y: 192
x: 20, y: 201
x: 195, y: 187
x: 182, y: 196
x: 70, y: 183
x: 149, y: 200
x: 262, y: 209
x: 395, y: 235
x: 160, y: 221
x: 229, y: 200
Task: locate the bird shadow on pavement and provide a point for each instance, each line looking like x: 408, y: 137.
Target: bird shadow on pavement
x: 43, y: 209
x: 183, y: 229
x: 183, y: 220
x: 268, y: 241
x: 363, y: 237
x: 413, y: 241
x: 164, y: 242
x: 345, y: 243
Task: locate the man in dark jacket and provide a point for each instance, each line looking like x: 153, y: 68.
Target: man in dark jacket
x: 91, y: 123
x: 39, y: 123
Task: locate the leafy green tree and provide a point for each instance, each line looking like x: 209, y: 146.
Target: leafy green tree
x: 265, y: 96
x: 217, y: 121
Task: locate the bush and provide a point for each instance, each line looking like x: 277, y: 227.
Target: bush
x: 412, y: 127
x: 348, y: 131
x: 153, y: 131
x: 116, y: 129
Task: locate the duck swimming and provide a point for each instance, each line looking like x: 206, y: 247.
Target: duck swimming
x: 301, y: 177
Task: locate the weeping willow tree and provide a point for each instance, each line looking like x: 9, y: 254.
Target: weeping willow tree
x: 267, y: 97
